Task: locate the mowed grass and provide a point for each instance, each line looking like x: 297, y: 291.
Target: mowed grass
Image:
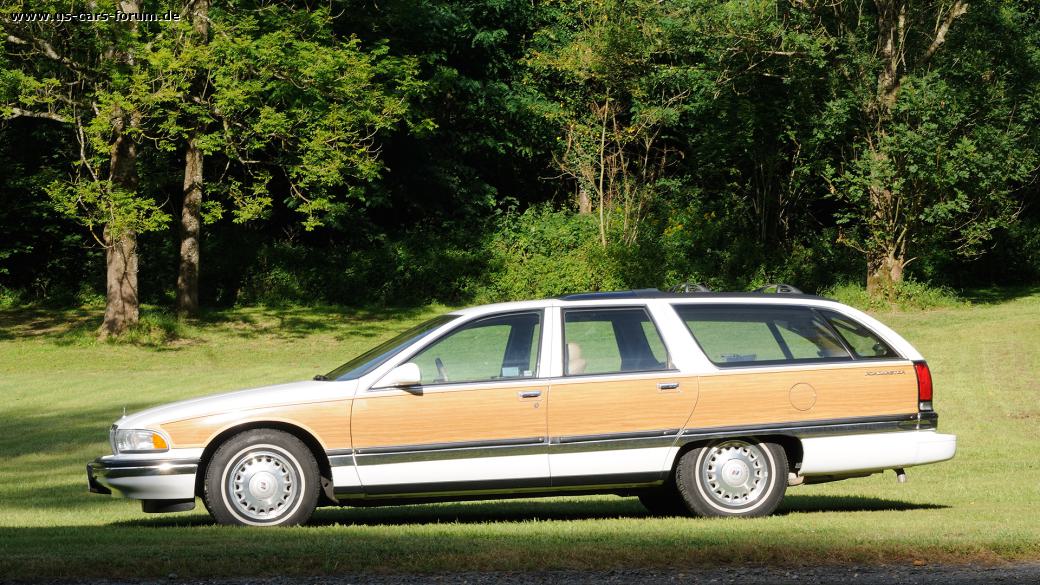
x: 60, y: 392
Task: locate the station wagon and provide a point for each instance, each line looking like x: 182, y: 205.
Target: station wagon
x: 697, y: 403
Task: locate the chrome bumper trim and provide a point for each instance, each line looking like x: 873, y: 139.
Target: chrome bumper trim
x: 142, y: 467
x: 143, y: 479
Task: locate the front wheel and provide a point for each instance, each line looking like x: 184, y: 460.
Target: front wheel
x: 733, y: 477
x: 262, y: 477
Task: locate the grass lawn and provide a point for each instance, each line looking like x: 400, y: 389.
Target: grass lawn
x: 60, y: 392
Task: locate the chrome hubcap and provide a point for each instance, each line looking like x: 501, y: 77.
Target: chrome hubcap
x: 262, y: 485
x: 735, y: 473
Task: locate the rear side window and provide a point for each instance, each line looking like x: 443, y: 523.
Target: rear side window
x: 863, y: 342
x: 607, y: 341
x: 741, y: 335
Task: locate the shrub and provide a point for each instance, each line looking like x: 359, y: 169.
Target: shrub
x: 543, y: 252
x: 909, y: 295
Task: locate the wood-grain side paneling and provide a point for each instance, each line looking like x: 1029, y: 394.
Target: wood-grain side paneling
x: 329, y: 422
x: 593, y: 407
x: 747, y: 398
x: 448, y: 416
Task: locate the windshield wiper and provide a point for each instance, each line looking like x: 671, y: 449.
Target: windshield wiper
x: 321, y: 378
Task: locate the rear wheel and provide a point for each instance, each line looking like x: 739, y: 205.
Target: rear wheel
x: 733, y: 477
x: 262, y: 477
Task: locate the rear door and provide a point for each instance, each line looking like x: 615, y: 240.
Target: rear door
x: 616, y: 411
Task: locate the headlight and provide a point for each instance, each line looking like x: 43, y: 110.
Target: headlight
x: 137, y: 441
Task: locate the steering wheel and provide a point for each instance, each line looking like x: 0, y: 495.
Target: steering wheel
x: 442, y: 374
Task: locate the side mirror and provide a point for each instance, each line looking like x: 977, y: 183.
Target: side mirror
x: 403, y: 375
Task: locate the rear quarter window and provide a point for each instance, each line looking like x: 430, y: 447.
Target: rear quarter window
x: 742, y: 335
x: 864, y: 343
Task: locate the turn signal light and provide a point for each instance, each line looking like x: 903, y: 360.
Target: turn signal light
x: 924, y: 382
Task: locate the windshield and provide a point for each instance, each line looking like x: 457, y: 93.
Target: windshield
x: 376, y: 356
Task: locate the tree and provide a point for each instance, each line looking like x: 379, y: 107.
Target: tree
x: 88, y: 78
x: 194, y: 156
x: 289, y: 108
x: 610, y: 89
x: 943, y: 134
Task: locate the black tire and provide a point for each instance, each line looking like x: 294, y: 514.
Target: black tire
x: 262, y: 477
x: 664, y: 501
x: 757, y: 473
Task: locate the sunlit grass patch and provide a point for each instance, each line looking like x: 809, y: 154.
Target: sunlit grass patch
x: 60, y: 396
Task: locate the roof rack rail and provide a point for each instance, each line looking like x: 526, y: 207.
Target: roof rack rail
x: 689, y: 287
x: 614, y: 294
x: 779, y: 288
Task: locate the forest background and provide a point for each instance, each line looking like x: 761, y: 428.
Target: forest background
x: 364, y: 153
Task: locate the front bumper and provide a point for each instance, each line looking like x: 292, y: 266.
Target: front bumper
x: 143, y: 479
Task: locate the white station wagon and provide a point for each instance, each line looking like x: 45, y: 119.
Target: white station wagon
x: 697, y: 403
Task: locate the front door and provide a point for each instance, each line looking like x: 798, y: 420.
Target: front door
x: 616, y: 412
x: 477, y: 422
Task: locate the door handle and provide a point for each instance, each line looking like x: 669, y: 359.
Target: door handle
x: 667, y: 385
x: 530, y: 394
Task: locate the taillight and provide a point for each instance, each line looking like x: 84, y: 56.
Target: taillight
x: 924, y: 385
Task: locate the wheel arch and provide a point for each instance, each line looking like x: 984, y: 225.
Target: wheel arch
x: 308, y: 439
x: 791, y: 445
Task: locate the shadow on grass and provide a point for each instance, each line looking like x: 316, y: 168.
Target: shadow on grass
x: 54, y: 324
x: 806, y: 504
x: 520, y: 511
x: 162, y: 331
x: 27, y: 431
x: 299, y: 322
x: 998, y: 294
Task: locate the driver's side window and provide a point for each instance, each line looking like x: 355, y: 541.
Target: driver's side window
x: 493, y: 348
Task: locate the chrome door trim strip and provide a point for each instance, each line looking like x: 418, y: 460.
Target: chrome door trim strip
x: 615, y: 436
x: 451, y: 445
x: 383, y: 455
x: 903, y: 422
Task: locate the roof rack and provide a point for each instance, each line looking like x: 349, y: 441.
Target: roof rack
x: 689, y: 287
x: 685, y: 288
x: 614, y: 294
x: 779, y: 288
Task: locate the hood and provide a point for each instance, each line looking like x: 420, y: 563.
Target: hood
x: 265, y: 396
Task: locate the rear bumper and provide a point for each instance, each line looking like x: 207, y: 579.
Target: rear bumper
x: 874, y: 451
x: 143, y: 479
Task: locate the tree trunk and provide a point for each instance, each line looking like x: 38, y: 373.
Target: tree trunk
x: 191, y: 219
x: 191, y: 224
x: 121, y: 303
x: 884, y: 273
x: 584, y: 201
x: 121, y: 299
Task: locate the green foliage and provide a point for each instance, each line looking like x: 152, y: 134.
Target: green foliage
x: 910, y: 295
x: 10, y: 299
x: 407, y: 269
x: 366, y: 153
x: 156, y: 328
x: 544, y: 252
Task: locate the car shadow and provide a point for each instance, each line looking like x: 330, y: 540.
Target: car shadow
x: 821, y: 503
x: 517, y: 511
